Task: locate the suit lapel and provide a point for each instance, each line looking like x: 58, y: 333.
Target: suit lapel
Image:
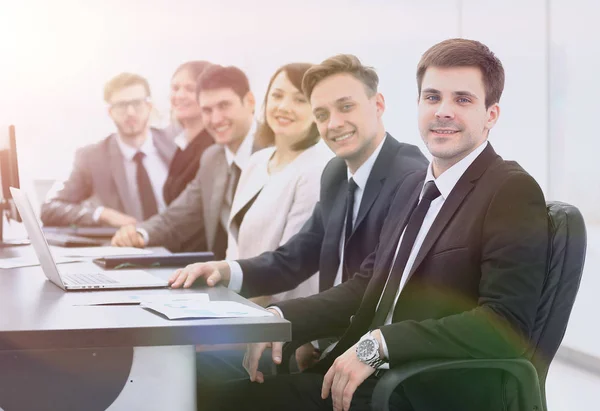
x: 245, y: 194
x: 219, y: 177
x: 463, y: 187
x: 166, y: 150
x: 375, y: 181
x: 120, y: 179
x: 387, y: 249
x: 333, y: 234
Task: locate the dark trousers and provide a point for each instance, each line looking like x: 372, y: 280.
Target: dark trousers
x: 215, y: 368
x: 290, y: 392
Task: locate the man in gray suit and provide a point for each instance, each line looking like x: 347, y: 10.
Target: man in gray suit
x: 120, y: 179
x: 228, y: 113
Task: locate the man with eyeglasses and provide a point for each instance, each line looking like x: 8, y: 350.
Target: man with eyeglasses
x: 119, y: 180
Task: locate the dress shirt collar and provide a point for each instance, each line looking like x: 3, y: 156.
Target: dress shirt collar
x: 361, y: 175
x: 448, y: 179
x: 244, y: 151
x: 128, y: 151
x: 181, y: 141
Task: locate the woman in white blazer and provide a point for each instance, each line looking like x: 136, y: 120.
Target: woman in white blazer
x: 280, y: 185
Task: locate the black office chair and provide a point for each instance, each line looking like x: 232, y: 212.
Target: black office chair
x: 565, y: 266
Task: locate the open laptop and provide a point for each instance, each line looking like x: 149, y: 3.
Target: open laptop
x: 77, y: 281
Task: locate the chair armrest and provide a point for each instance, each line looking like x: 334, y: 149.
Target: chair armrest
x: 530, y: 397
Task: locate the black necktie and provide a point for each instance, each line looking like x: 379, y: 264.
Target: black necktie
x: 234, y: 178
x: 430, y: 193
x: 350, y: 208
x: 349, y: 217
x: 147, y: 198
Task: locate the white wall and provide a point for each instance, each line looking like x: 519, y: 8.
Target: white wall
x: 61, y: 53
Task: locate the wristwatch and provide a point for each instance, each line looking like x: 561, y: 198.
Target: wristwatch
x: 367, y: 351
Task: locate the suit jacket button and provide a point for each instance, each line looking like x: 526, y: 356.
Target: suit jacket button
x: 351, y: 319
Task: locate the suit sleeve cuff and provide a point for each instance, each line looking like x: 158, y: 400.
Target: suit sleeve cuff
x: 274, y: 307
x: 97, y: 213
x: 384, y: 348
x: 144, y: 235
x: 236, y: 276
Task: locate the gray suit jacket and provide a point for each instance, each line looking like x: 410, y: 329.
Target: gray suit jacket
x: 194, y: 216
x: 98, y: 179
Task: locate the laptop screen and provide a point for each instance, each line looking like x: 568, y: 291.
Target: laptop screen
x: 34, y: 230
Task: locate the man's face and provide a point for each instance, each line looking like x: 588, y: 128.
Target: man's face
x: 453, y: 119
x: 130, y: 109
x: 226, y: 116
x: 347, y: 117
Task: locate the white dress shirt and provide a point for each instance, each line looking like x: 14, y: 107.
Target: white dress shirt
x: 445, y: 184
x: 181, y: 141
x: 155, y: 167
x: 360, y: 178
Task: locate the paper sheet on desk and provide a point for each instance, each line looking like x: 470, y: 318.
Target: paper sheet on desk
x: 97, y: 251
x: 212, y: 309
x: 104, y: 298
x: 31, y: 261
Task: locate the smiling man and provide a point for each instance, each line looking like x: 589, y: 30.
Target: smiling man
x: 458, y: 271
x: 227, y: 106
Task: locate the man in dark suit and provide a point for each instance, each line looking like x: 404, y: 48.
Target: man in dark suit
x: 348, y: 110
x: 120, y: 179
x: 202, y: 209
x: 458, y: 271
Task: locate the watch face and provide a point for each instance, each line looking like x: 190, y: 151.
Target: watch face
x: 366, y: 349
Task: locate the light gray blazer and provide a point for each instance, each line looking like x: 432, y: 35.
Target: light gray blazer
x: 98, y: 179
x: 197, y: 209
x: 277, y: 207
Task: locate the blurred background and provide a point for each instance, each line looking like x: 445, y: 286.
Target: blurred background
x: 55, y: 58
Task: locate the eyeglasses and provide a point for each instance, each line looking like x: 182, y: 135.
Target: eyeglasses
x: 122, y: 106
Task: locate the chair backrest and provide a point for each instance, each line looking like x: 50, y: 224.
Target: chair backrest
x: 566, y: 257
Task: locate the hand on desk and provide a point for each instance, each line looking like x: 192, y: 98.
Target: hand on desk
x: 254, y: 352
x: 115, y: 218
x: 127, y: 236
x: 213, y: 273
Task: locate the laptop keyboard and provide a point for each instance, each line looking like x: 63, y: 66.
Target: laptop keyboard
x: 84, y: 279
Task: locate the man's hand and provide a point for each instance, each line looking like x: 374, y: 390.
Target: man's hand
x: 127, y: 236
x: 115, y: 218
x: 307, y: 356
x: 214, y: 272
x: 254, y: 352
x: 344, y: 377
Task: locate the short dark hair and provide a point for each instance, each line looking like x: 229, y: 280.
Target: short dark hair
x: 216, y: 76
x: 123, y: 80
x: 341, y: 63
x: 466, y: 53
x: 195, y: 68
x: 264, y: 133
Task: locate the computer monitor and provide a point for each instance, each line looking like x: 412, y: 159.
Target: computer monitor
x: 9, y: 177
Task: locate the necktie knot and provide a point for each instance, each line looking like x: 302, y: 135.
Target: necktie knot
x: 139, y: 156
x: 351, y: 186
x: 234, y: 170
x: 431, y: 191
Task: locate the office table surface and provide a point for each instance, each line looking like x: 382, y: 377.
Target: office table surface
x: 36, y: 314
